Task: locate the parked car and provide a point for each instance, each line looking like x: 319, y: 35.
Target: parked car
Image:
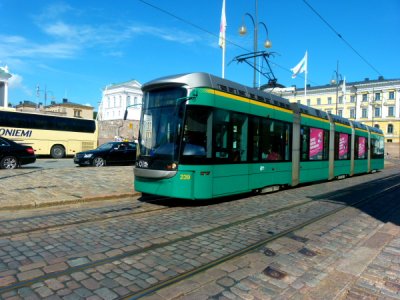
x: 13, y: 155
x: 108, y: 154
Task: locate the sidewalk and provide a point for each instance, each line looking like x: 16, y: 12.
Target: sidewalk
x: 36, y: 187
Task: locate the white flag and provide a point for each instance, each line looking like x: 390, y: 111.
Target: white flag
x: 300, y: 67
x: 222, y: 27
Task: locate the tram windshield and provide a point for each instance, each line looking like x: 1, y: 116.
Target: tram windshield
x: 161, y: 123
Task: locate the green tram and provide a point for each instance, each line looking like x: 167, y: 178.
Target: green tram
x: 203, y: 137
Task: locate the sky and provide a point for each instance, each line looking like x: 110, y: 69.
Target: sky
x: 74, y: 49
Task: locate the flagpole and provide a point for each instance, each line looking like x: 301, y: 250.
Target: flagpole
x: 305, y: 77
x: 223, y: 59
x: 222, y: 41
x: 305, y: 85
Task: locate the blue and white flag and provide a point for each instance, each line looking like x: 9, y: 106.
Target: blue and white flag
x: 300, y: 67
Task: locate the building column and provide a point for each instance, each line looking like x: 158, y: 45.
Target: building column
x: 4, y: 76
x: 6, y: 94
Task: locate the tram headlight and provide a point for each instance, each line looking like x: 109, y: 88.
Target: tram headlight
x: 172, y: 167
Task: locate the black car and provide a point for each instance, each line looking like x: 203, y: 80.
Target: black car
x: 13, y: 155
x: 107, y: 154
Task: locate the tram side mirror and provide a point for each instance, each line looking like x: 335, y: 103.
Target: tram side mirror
x: 125, y: 114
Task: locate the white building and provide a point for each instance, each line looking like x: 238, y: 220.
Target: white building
x: 4, y: 76
x: 117, y: 97
x: 374, y: 102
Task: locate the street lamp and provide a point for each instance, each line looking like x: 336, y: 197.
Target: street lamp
x: 333, y: 81
x: 38, y: 90
x: 267, y: 43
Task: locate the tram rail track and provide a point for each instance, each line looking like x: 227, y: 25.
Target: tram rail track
x: 13, y: 227
x: 271, y: 235
x: 259, y: 244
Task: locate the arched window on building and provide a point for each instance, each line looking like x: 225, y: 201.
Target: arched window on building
x: 390, y: 128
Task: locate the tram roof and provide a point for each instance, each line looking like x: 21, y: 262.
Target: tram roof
x: 304, y: 109
x: 200, y: 79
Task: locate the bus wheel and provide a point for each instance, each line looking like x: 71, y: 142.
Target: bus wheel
x: 8, y: 162
x: 57, y: 151
x: 99, y: 162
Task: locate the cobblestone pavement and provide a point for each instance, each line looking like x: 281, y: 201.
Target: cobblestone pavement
x: 354, y: 254
x: 340, y: 256
x: 36, y: 187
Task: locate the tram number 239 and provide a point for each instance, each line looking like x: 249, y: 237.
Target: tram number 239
x: 185, y: 177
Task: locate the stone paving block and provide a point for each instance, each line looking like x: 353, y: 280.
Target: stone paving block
x: 44, y: 291
x: 55, y: 268
x: 28, y: 275
x: 179, y: 289
x: 106, y: 293
x: 357, y: 260
x: 7, y: 280
x: 90, y: 284
x: 78, y: 261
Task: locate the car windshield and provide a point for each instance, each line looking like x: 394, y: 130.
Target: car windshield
x: 106, y: 146
x: 161, y: 123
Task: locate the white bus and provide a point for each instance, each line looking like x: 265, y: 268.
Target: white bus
x: 49, y: 135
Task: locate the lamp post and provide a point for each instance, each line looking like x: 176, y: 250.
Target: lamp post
x: 38, y: 90
x: 267, y: 43
x: 333, y: 81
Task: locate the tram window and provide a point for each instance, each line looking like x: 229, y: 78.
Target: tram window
x: 314, y: 144
x: 377, y: 147
x: 239, y: 137
x: 221, y: 131
x: 342, y: 146
x: 275, y: 140
x: 360, y: 149
x: 255, y: 136
x: 195, y: 144
x: 230, y: 136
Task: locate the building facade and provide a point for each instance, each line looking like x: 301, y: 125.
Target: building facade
x: 4, y: 76
x: 63, y: 109
x: 116, y: 99
x: 372, y: 102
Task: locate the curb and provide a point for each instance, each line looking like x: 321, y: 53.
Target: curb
x: 61, y: 202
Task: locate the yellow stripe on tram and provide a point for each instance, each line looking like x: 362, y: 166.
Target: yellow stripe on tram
x: 247, y: 100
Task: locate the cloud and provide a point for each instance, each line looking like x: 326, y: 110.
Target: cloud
x: 54, y: 11
x: 18, y: 47
x: 16, y: 83
x: 59, y: 38
x: 173, y: 35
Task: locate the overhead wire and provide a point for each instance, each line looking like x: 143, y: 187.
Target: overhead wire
x: 245, y: 49
x: 340, y: 36
x: 204, y: 30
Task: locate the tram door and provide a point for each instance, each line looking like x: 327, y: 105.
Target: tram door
x: 230, y: 153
